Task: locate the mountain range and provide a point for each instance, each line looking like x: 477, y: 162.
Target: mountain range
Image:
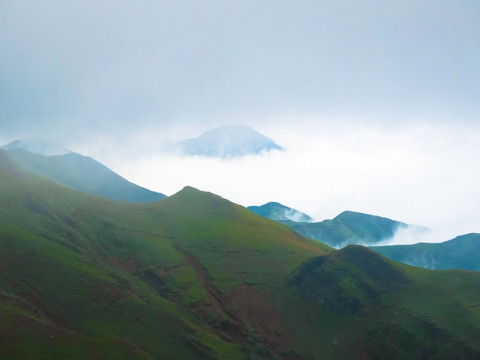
x: 357, y: 228
x: 89, y: 176
x: 75, y: 171
x: 196, y: 276
x: 229, y: 141
x: 459, y: 253
x: 279, y: 212
x: 348, y: 228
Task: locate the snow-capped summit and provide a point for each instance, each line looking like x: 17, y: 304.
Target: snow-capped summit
x: 228, y: 141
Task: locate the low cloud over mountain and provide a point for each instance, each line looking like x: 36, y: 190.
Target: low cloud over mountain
x: 228, y: 141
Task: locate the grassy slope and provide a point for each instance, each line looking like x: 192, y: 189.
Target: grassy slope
x: 97, y: 267
x: 459, y: 253
x: 26, y: 334
x: 391, y: 310
x: 195, y: 276
x: 84, y: 174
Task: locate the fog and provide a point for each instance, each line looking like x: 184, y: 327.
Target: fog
x: 375, y: 102
x: 79, y: 68
x: 421, y: 175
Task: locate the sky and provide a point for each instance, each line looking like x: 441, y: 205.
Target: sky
x: 375, y: 102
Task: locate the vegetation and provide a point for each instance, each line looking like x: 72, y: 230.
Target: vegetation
x: 195, y: 276
x: 348, y: 228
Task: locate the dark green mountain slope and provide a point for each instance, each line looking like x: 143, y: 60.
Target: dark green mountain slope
x: 197, y: 277
x: 348, y: 228
x: 279, y: 212
x: 401, y: 312
x: 463, y: 252
x: 82, y: 173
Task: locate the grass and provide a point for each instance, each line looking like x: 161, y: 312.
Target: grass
x: 196, y: 276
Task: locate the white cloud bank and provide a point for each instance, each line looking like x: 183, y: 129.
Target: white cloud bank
x: 417, y: 234
x: 424, y: 175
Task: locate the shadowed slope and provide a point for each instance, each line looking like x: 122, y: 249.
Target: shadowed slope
x: 401, y: 312
x: 370, y: 276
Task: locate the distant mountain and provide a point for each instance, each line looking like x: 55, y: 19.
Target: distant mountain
x: 348, y: 228
x: 37, y: 147
x: 228, y: 142
x: 279, y: 212
x: 80, y: 173
x: 463, y: 252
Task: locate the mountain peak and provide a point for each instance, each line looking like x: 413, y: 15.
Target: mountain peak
x: 279, y: 212
x: 189, y: 193
x: 40, y: 147
x: 228, y: 141
x: 353, y: 217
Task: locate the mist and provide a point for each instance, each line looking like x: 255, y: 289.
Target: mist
x: 78, y: 68
x: 375, y: 103
x: 422, y: 175
x: 416, y: 234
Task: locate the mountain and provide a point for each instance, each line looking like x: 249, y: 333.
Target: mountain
x: 348, y: 228
x: 390, y: 302
x: 228, y: 141
x: 459, y: 253
x: 279, y: 212
x: 80, y: 173
x: 197, y: 277
x: 36, y: 147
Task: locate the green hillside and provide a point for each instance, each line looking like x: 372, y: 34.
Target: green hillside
x: 460, y: 253
x: 198, y: 277
x: 82, y: 173
x: 348, y: 228
x: 400, y: 312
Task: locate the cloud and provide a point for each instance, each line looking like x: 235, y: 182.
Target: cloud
x: 423, y: 175
x: 376, y: 102
x: 417, y: 234
x: 80, y: 67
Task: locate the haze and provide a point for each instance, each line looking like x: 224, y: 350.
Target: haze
x: 376, y: 103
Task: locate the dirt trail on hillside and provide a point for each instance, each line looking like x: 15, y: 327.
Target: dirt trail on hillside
x: 245, y: 306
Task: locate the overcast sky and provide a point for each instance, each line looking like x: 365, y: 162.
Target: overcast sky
x: 376, y: 102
